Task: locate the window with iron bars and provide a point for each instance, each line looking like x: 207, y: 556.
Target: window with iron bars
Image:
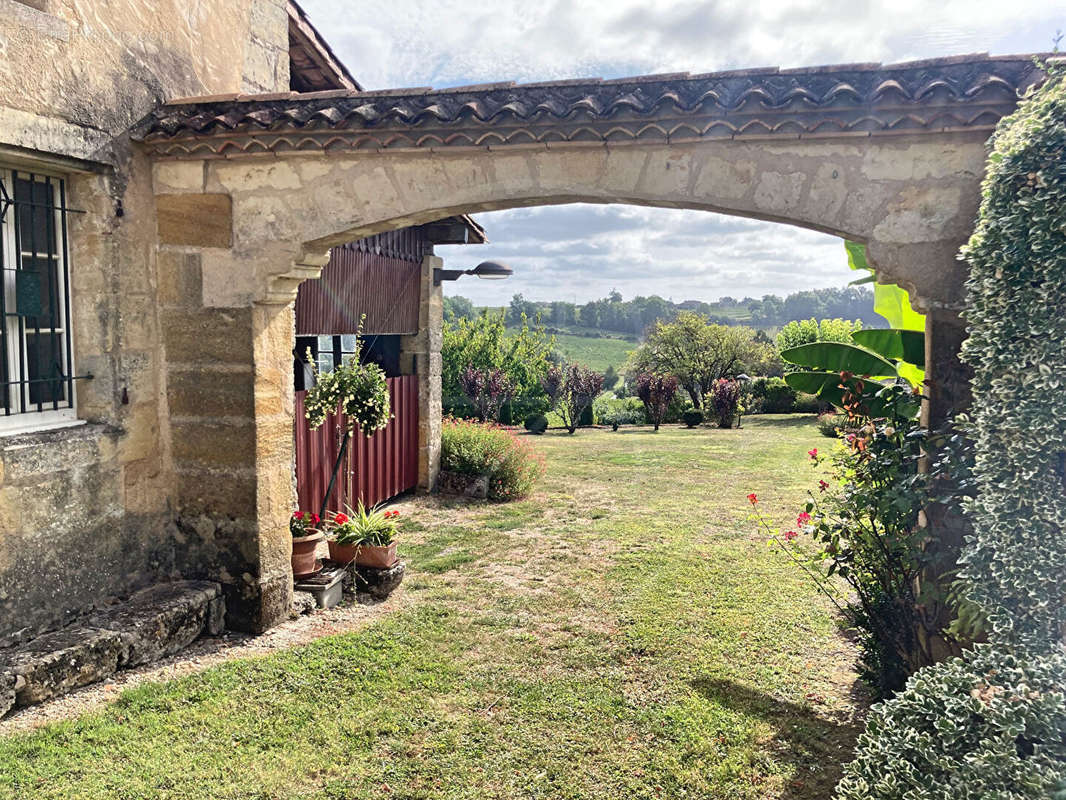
x: 36, y: 364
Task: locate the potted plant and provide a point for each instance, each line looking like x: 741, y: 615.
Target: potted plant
x: 305, y: 539
x: 359, y: 391
x: 366, y: 536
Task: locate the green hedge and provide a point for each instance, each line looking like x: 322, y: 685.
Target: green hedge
x: 993, y: 726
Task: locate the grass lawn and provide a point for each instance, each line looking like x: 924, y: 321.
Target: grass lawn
x: 624, y: 633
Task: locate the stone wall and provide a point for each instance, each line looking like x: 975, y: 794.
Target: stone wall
x: 90, y: 512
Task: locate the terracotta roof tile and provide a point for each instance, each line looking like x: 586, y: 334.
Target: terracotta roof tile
x: 935, y: 94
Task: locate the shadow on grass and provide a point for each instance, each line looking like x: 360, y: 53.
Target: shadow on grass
x: 815, y: 746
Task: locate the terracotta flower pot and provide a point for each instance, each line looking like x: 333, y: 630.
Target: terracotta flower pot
x: 304, y: 562
x: 364, y: 555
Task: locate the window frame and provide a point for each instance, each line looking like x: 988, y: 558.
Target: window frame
x: 20, y: 414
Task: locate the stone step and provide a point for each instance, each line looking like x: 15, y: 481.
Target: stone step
x: 154, y: 623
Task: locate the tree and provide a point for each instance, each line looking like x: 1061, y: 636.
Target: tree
x: 487, y: 390
x: 520, y: 309
x: 485, y: 344
x: 656, y: 392
x: 698, y: 352
x: 610, y: 378
x: 806, y: 331
x: 458, y: 307
x: 571, y: 388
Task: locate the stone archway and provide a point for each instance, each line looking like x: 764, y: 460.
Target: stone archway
x: 252, y: 191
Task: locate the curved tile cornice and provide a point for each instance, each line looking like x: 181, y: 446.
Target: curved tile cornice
x: 938, y: 95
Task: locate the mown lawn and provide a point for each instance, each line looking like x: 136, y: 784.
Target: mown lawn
x: 625, y: 633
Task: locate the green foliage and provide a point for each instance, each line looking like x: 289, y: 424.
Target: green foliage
x: 615, y: 411
x: 894, y: 343
x: 807, y: 404
x: 890, y: 301
x: 769, y: 396
x: 374, y: 527
x: 359, y: 390
x: 458, y: 308
x: 473, y: 448
x: 1016, y: 560
x: 869, y: 534
x: 485, y: 345
x: 610, y: 378
x: 840, y: 357
x: 988, y: 726
x: 832, y: 425
x: 992, y: 726
x: 536, y: 423
x: 692, y: 417
x: 836, y: 367
x: 810, y: 330
x: 698, y: 353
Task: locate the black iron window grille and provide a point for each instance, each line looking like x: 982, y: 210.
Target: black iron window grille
x: 36, y: 364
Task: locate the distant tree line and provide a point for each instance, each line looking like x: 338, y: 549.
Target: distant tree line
x: 634, y: 317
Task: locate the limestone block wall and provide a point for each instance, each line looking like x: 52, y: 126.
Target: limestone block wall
x: 98, y: 67
x: 90, y: 512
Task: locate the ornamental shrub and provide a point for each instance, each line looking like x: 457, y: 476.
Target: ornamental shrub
x: 692, y: 417
x: 725, y: 398
x: 987, y: 726
x: 868, y: 533
x: 771, y: 396
x: 473, y: 448
x: 572, y: 388
x: 1016, y: 559
x: 536, y: 423
x: 656, y: 392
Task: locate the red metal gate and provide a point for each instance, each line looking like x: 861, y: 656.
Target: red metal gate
x: 374, y: 469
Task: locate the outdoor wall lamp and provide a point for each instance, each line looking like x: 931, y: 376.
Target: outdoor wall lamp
x: 489, y: 270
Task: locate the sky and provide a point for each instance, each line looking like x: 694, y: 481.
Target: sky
x: 582, y: 252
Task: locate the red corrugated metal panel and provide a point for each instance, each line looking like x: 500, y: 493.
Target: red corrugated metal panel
x: 354, y: 283
x: 374, y: 469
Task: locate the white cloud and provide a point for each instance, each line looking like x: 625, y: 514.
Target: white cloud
x: 579, y: 252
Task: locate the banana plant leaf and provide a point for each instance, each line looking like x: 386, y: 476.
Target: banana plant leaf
x: 828, y: 386
x: 825, y: 385
x: 894, y: 343
x: 838, y: 357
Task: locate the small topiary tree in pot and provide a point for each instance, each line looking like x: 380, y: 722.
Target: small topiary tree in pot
x: 992, y: 724
x: 359, y: 391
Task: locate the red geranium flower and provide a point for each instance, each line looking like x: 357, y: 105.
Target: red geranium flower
x: 813, y: 453
x: 297, y: 515
x: 790, y: 535
x: 752, y: 498
x: 339, y: 518
x: 803, y: 518
x: 315, y: 519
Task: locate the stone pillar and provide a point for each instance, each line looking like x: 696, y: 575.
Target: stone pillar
x: 947, y: 378
x: 421, y: 356
x: 230, y: 400
x: 948, y: 392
